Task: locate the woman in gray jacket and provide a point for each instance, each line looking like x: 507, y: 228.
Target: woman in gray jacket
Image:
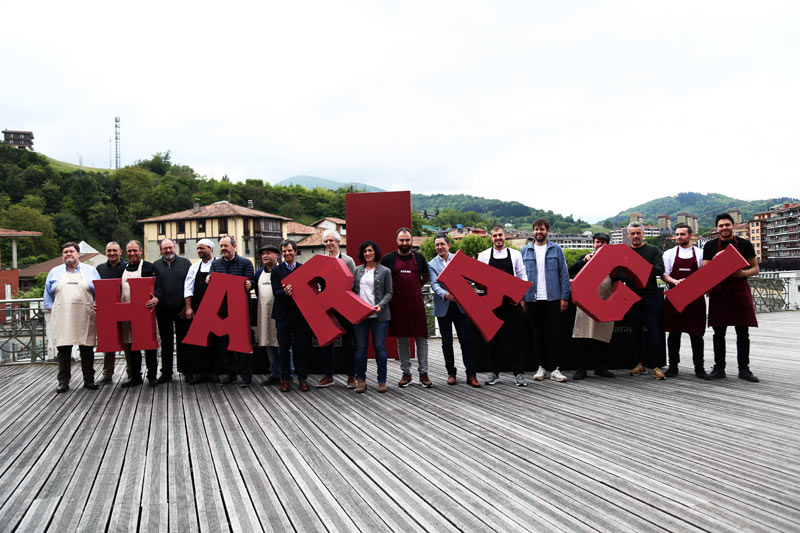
x: 373, y: 284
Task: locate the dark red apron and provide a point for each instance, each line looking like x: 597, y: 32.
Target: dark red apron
x: 406, y: 306
x: 693, y: 318
x: 731, y: 303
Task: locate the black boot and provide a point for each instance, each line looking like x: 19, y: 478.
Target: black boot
x: 579, y: 374
x: 672, y: 371
x: 716, y: 373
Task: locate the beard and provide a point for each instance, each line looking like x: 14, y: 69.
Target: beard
x: 404, y: 248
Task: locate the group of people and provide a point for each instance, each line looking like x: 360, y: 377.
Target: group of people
x: 392, y: 285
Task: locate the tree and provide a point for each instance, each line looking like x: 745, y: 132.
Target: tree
x: 572, y: 255
x: 20, y: 217
x: 472, y: 245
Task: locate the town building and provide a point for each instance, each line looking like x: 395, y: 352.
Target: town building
x: 736, y: 214
x: 620, y: 235
x: 686, y: 218
x: 665, y: 223
x: 636, y: 217
x: 251, y: 229
x: 757, y: 234
x: 20, y: 139
x: 781, y: 232
x: 567, y: 241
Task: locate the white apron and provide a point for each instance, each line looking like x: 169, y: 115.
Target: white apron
x: 588, y: 328
x: 127, y: 336
x: 73, y: 317
x: 267, y: 330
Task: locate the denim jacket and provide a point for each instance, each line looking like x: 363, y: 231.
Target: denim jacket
x: 556, y: 273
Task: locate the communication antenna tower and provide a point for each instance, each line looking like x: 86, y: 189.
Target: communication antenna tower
x: 116, y: 138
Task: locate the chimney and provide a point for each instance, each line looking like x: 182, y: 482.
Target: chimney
x: 196, y: 207
x: 250, y: 204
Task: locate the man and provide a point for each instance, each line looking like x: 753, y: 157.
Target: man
x: 731, y: 303
x: 171, y: 309
x: 547, y: 297
x: 645, y: 312
x: 407, y: 308
x: 331, y: 239
x: 267, y: 328
x: 230, y: 262
x: 69, y: 296
x: 293, y: 331
x: 138, y: 268
x: 680, y: 263
x: 511, y: 337
x: 448, y: 313
x: 194, y: 288
x: 592, y: 337
x: 111, y: 269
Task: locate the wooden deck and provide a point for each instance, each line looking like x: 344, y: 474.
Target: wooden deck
x: 627, y: 454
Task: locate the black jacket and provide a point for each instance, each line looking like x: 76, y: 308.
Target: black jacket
x: 284, y: 305
x: 171, y: 277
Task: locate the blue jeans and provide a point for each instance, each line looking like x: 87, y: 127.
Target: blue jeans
x: 274, y: 356
x: 456, y: 318
x: 361, y: 331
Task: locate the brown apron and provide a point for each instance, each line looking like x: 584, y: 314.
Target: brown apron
x: 73, y: 319
x: 588, y: 328
x: 731, y: 303
x: 693, y: 318
x: 267, y: 329
x: 407, y: 307
x: 127, y: 337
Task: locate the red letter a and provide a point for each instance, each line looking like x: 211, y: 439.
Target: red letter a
x: 338, y: 295
x: 236, y: 325
x: 110, y: 312
x: 480, y: 309
x: 586, y: 283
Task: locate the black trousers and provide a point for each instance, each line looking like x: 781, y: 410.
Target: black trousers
x: 545, y: 317
x: 592, y: 353
x: 65, y: 363
x: 742, y: 346
x: 169, y: 327
x: 510, y: 339
x: 133, y: 358
x: 294, y: 334
x: 674, y: 348
x: 234, y: 363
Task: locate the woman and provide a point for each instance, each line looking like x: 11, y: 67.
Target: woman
x: 373, y: 284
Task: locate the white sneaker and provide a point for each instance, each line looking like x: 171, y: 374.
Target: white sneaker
x: 492, y: 379
x: 556, y: 375
x: 540, y: 374
x: 520, y: 380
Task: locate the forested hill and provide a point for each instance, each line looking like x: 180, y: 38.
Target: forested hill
x: 705, y: 206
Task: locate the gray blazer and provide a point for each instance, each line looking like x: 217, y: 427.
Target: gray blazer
x: 383, y: 288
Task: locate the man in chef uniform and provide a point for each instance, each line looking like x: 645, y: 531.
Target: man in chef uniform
x: 69, y: 296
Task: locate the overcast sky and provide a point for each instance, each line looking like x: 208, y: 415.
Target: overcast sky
x: 585, y: 108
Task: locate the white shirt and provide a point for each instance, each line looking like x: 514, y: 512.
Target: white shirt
x: 683, y: 253
x: 366, y: 289
x: 188, y: 283
x: 541, y: 270
x: 516, y: 259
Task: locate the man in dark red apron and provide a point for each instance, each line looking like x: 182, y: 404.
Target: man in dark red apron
x: 680, y: 263
x: 731, y: 303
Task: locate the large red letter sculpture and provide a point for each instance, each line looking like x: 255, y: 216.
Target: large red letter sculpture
x: 705, y: 279
x: 222, y: 288
x: 498, y: 284
x: 585, y: 284
x: 110, y: 312
x: 317, y: 307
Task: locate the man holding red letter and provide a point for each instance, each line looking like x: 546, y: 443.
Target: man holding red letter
x: 680, y: 263
x: 511, y: 337
x: 731, y: 303
x: 194, y: 288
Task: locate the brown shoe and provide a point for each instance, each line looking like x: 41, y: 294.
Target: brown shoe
x: 425, y: 381
x: 326, y: 381
x: 638, y: 370
x: 658, y: 374
x: 361, y: 386
x: 405, y: 381
x: 285, y: 385
x: 473, y: 381
x: 304, y: 385
x: 451, y: 380
x: 382, y: 387
x: 351, y: 382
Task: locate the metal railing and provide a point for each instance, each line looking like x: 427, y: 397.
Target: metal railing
x: 770, y: 292
x: 23, y: 331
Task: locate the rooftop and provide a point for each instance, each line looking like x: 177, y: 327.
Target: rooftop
x: 296, y: 228
x: 623, y: 454
x: 216, y: 210
x: 19, y: 233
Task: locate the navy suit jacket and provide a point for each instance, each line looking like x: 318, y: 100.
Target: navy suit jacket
x: 284, y: 305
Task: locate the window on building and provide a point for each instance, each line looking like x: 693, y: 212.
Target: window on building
x: 223, y: 226
x: 247, y: 227
x: 181, y: 247
x: 201, y: 226
x: 181, y: 226
x: 247, y: 246
x: 162, y: 228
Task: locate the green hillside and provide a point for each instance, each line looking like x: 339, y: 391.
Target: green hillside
x: 705, y: 206
x: 312, y: 182
x: 61, y: 166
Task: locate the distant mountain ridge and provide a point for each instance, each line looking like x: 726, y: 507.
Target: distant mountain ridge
x: 705, y: 206
x: 312, y: 182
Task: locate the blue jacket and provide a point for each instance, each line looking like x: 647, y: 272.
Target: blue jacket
x: 556, y: 273
x: 440, y: 304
